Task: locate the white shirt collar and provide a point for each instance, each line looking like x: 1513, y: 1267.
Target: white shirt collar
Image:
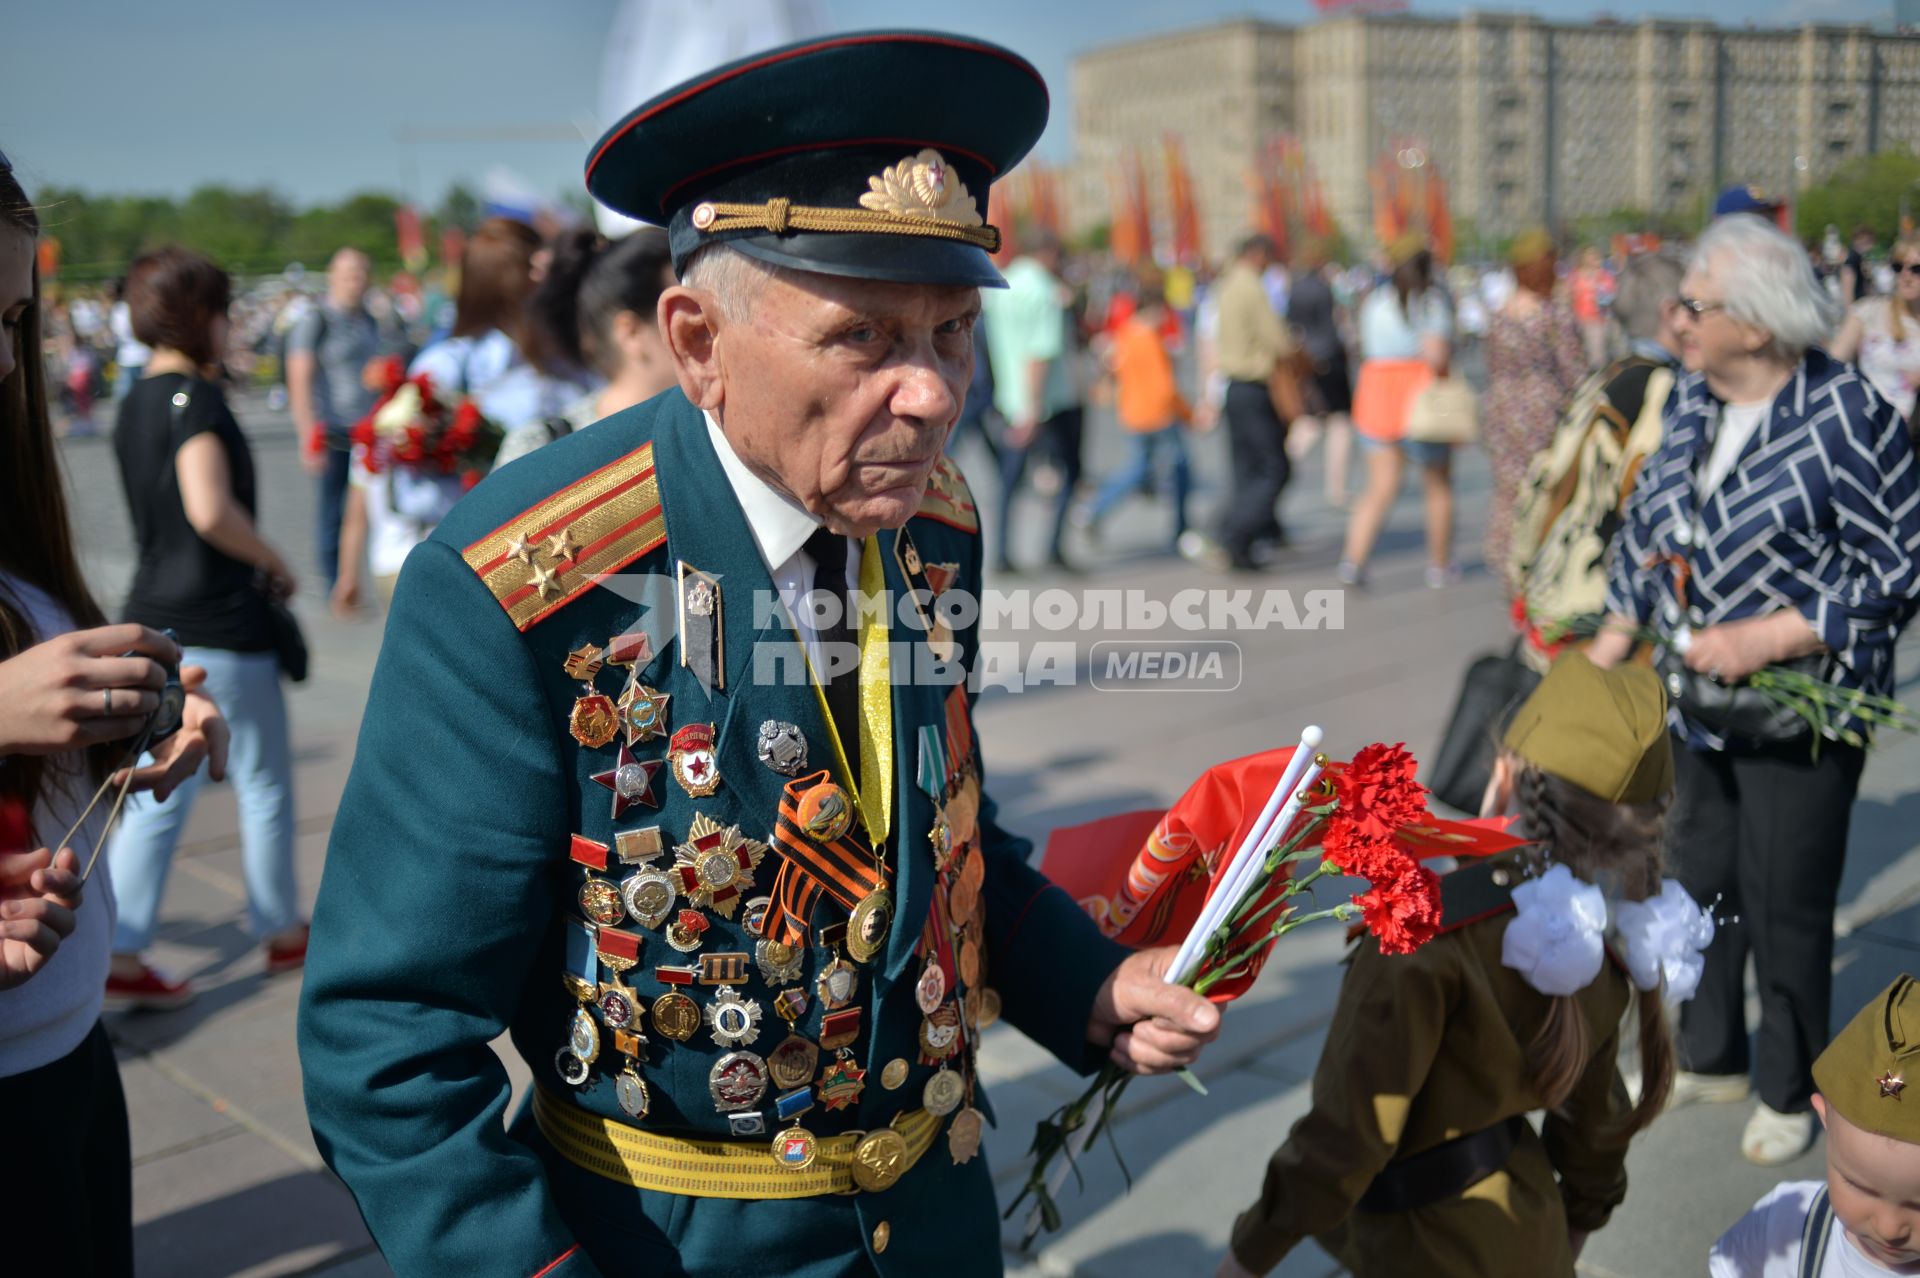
x: 780, y: 525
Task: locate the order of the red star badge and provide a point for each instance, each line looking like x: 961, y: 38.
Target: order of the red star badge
x: 631, y: 781
x: 1891, y: 1084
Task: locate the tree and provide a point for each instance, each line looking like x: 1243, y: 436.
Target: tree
x: 1871, y: 190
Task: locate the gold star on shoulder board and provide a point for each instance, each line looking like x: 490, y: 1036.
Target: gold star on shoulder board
x: 560, y: 547
x: 518, y: 547
x: 545, y: 581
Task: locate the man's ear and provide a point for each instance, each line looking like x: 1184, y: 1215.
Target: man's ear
x: 1820, y: 1107
x: 688, y: 320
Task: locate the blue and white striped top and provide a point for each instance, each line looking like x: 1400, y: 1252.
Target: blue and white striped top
x: 1821, y: 512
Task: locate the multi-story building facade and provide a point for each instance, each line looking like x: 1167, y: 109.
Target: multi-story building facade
x: 1530, y: 122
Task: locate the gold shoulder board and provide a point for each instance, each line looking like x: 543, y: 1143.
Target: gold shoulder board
x: 948, y: 499
x: 538, y: 562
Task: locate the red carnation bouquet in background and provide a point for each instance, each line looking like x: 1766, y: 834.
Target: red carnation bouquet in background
x: 414, y: 429
x: 1224, y: 872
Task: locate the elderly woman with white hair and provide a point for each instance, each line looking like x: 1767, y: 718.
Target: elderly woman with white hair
x: 1779, y: 523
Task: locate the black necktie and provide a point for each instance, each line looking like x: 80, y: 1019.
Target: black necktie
x: 829, y: 553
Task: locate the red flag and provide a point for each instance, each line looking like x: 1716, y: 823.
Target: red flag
x: 407, y: 234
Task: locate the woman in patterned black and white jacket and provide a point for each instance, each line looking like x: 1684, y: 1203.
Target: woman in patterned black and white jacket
x: 1779, y: 520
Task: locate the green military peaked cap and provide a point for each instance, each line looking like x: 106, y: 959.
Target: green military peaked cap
x: 868, y: 154
x: 1863, y: 1072
x: 1603, y: 730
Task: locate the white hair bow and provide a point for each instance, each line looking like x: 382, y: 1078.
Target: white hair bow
x: 1555, y: 939
x: 1663, y: 936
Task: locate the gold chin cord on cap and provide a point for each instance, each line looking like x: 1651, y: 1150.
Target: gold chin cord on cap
x: 921, y: 195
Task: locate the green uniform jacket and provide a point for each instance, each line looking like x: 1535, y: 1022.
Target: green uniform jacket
x: 449, y: 891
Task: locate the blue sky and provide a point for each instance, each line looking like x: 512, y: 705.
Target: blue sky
x: 132, y: 95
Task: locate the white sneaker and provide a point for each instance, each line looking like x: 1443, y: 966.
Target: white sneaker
x: 1773, y: 1138
x: 1706, y: 1089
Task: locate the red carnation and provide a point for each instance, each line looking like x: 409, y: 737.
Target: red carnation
x: 1376, y: 860
x: 386, y: 375
x: 16, y: 826
x: 1376, y: 794
x: 1403, y: 913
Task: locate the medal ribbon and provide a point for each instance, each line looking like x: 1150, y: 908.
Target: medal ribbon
x: 844, y: 869
x: 932, y: 774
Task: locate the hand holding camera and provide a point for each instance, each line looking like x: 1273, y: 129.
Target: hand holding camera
x: 88, y: 686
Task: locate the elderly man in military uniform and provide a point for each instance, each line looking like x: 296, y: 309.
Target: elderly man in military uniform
x: 641, y: 783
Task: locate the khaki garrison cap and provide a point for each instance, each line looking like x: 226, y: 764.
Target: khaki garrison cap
x: 1863, y: 1072
x: 1603, y: 730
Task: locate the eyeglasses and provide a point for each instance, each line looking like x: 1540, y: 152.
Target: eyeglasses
x: 1696, y: 308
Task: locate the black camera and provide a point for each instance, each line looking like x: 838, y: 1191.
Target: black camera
x: 167, y: 716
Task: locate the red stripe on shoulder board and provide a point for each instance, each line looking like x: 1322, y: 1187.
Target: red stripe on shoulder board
x: 556, y: 1262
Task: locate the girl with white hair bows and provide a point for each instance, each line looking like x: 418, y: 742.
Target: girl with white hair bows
x: 1778, y: 522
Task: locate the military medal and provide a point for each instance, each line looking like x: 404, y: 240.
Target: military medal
x: 631, y: 1043
x: 969, y: 963
x: 639, y: 847
x: 963, y: 1136
x: 940, y: 838
x: 924, y: 597
x: 737, y: 1081
x: 755, y: 918
x: 733, y: 1021
x: 631, y: 649
x: 702, y: 627
x: 595, y: 720
x: 631, y: 1091
x: 880, y: 1160
x: 944, y: 1092
x: 690, y: 751
x: 599, y: 899
x: 839, y: 1029
x: 989, y: 1006
x: 648, y: 896
x: 684, y: 932
x: 940, y: 1034
x: 584, y: 662
x: 782, y: 748
x: 618, y: 951
x: 825, y: 815
x: 727, y: 967
x: 837, y: 983
x: 793, y: 1062
x: 617, y: 1006
x: 572, y: 1070
x: 931, y: 989
x: 779, y: 962
x: 675, y: 1016
x: 643, y: 712
x: 794, y: 1148
x: 867, y: 925
x: 715, y: 865
x: 751, y: 1123
x: 894, y: 1076
x: 583, y: 1038
x: 631, y: 780
x: 841, y: 1083
x: 790, y: 1005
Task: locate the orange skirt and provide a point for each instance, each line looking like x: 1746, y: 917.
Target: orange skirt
x: 1383, y: 397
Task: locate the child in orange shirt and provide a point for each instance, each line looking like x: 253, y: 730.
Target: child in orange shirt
x: 1150, y: 408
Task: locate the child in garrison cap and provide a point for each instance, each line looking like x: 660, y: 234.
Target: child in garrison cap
x: 1417, y: 1156
x: 1864, y: 1222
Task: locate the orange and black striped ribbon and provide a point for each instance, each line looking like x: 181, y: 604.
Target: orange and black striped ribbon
x: 844, y: 868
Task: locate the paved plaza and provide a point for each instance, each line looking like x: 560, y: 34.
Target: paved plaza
x: 227, y: 1180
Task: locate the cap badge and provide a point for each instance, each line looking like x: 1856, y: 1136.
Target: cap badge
x: 922, y: 186
x: 1891, y: 1085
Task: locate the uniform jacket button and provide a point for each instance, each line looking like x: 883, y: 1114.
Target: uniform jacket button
x: 882, y: 1235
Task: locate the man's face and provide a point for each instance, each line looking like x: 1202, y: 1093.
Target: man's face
x: 841, y: 392
x: 347, y: 277
x: 1873, y: 1182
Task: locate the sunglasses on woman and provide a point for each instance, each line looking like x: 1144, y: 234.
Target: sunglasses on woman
x: 1908, y: 268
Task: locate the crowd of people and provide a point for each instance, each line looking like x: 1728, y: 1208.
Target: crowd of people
x: 1702, y: 468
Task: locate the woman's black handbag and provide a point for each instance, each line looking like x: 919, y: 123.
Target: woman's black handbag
x: 1737, y: 710
x: 1494, y: 686
x: 289, y: 642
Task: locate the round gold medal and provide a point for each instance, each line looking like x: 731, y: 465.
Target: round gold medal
x: 600, y: 902
x: 676, y: 1016
x: 969, y: 964
x: 943, y: 1094
x: 962, y: 896
x: 989, y: 1006
x: 894, y: 1076
x: 824, y: 812
x: 880, y: 1160
x: 867, y: 925
x: 794, y: 1149
x: 793, y: 1062
x: 631, y: 1091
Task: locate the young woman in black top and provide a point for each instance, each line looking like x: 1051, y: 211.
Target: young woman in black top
x: 204, y: 571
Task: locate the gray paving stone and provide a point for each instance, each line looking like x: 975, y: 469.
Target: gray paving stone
x: 163, y: 1116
